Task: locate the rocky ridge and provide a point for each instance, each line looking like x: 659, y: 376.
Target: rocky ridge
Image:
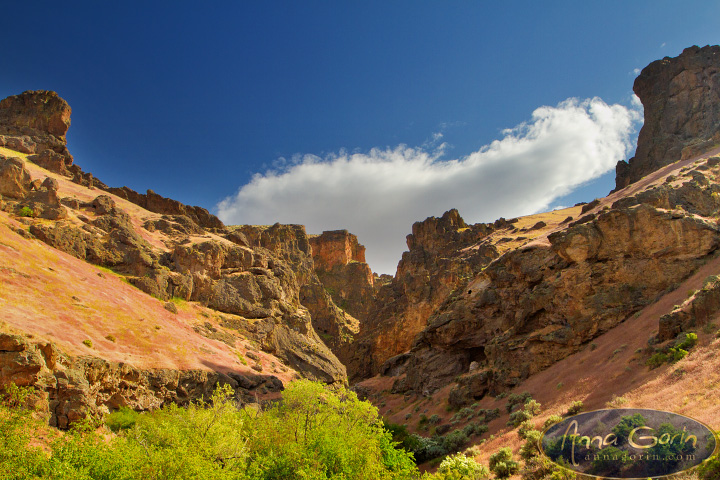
x: 256, y: 279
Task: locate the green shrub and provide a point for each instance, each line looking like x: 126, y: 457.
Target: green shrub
x: 502, y: 463
x: 689, y: 341
x: 516, y: 418
x: 18, y: 459
x: 122, y: 419
x: 676, y: 354
x: 552, y: 420
x: 460, y: 467
x: 531, y: 447
x: 524, y: 428
x: 575, y: 407
x: 26, y: 212
x: 710, y: 469
x: 656, y: 360
x: 434, y: 419
x: 454, y: 440
x: 313, y: 433
x: 488, y: 414
x: 87, y: 343
x: 532, y: 407
x: 110, y: 338
x: 515, y: 399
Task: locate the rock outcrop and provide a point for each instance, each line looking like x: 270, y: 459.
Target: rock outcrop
x: 35, y: 121
x: 535, y: 305
x: 444, y: 253
x: 681, y: 97
x: 340, y: 265
x: 259, y: 276
x: 70, y: 388
x: 167, y: 206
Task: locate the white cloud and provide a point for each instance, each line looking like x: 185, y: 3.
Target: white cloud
x: 379, y: 194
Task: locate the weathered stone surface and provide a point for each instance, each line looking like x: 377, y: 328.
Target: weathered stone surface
x: 35, y: 121
x: 535, y: 306
x: 15, y: 181
x: 339, y: 262
x: 72, y: 388
x: 443, y: 255
x: 681, y: 97
x: 167, y: 206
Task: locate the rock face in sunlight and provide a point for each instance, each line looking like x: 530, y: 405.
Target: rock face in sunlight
x: 260, y: 281
x: 480, y: 307
x: 681, y: 97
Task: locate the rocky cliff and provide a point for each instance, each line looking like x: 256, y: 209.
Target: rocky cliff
x: 681, y: 97
x: 251, y: 284
x: 488, y: 306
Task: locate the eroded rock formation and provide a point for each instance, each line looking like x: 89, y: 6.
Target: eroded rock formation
x: 681, y: 97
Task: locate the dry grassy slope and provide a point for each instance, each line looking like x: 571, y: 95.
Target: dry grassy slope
x: 611, y: 371
x: 54, y: 296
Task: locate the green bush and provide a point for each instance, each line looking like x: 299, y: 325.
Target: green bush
x: 434, y: 419
x: 122, y: 419
x: 689, y: 341
x: 460, y: 467
x: 575, y: 407
x: 516, y: 399
x: 502, y: 463
x: 710, y: 469
x: 87, y: 343
x: 531, y: 447
x: 314, y: 433
x: 454, y: 440
x: 656, y: 360
x: 552, y: 420
x: 26, y: 212
x: 517, y: 418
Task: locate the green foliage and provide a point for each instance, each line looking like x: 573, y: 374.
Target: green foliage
x: 434, y: 419
x: 524, y: 428
x: 541, y: 468
x: 488, y: 414
x: 684, y: 343
x: 530, y: 409
x: 516, y: 399
x: 87, y: 343
x: 241, y: 358
x: 110, y: 338
x: 517, y: 418
x: 454, y: 440
x: 122, y: 419
x: 626, y: 425
x: 531, y: 446
x: 575, y: 407
x: 689, y: 341
x: 656, y: 360
x: 314, y: 433
x: 502, y: 463
x: 26, y: 212
x: 677, y: 354
x: 710, y: 469
x: 552, y: 420
x: 460, y: 467
x: 18, y: 460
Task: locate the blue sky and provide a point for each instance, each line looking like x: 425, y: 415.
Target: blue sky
x: 361, y: 115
